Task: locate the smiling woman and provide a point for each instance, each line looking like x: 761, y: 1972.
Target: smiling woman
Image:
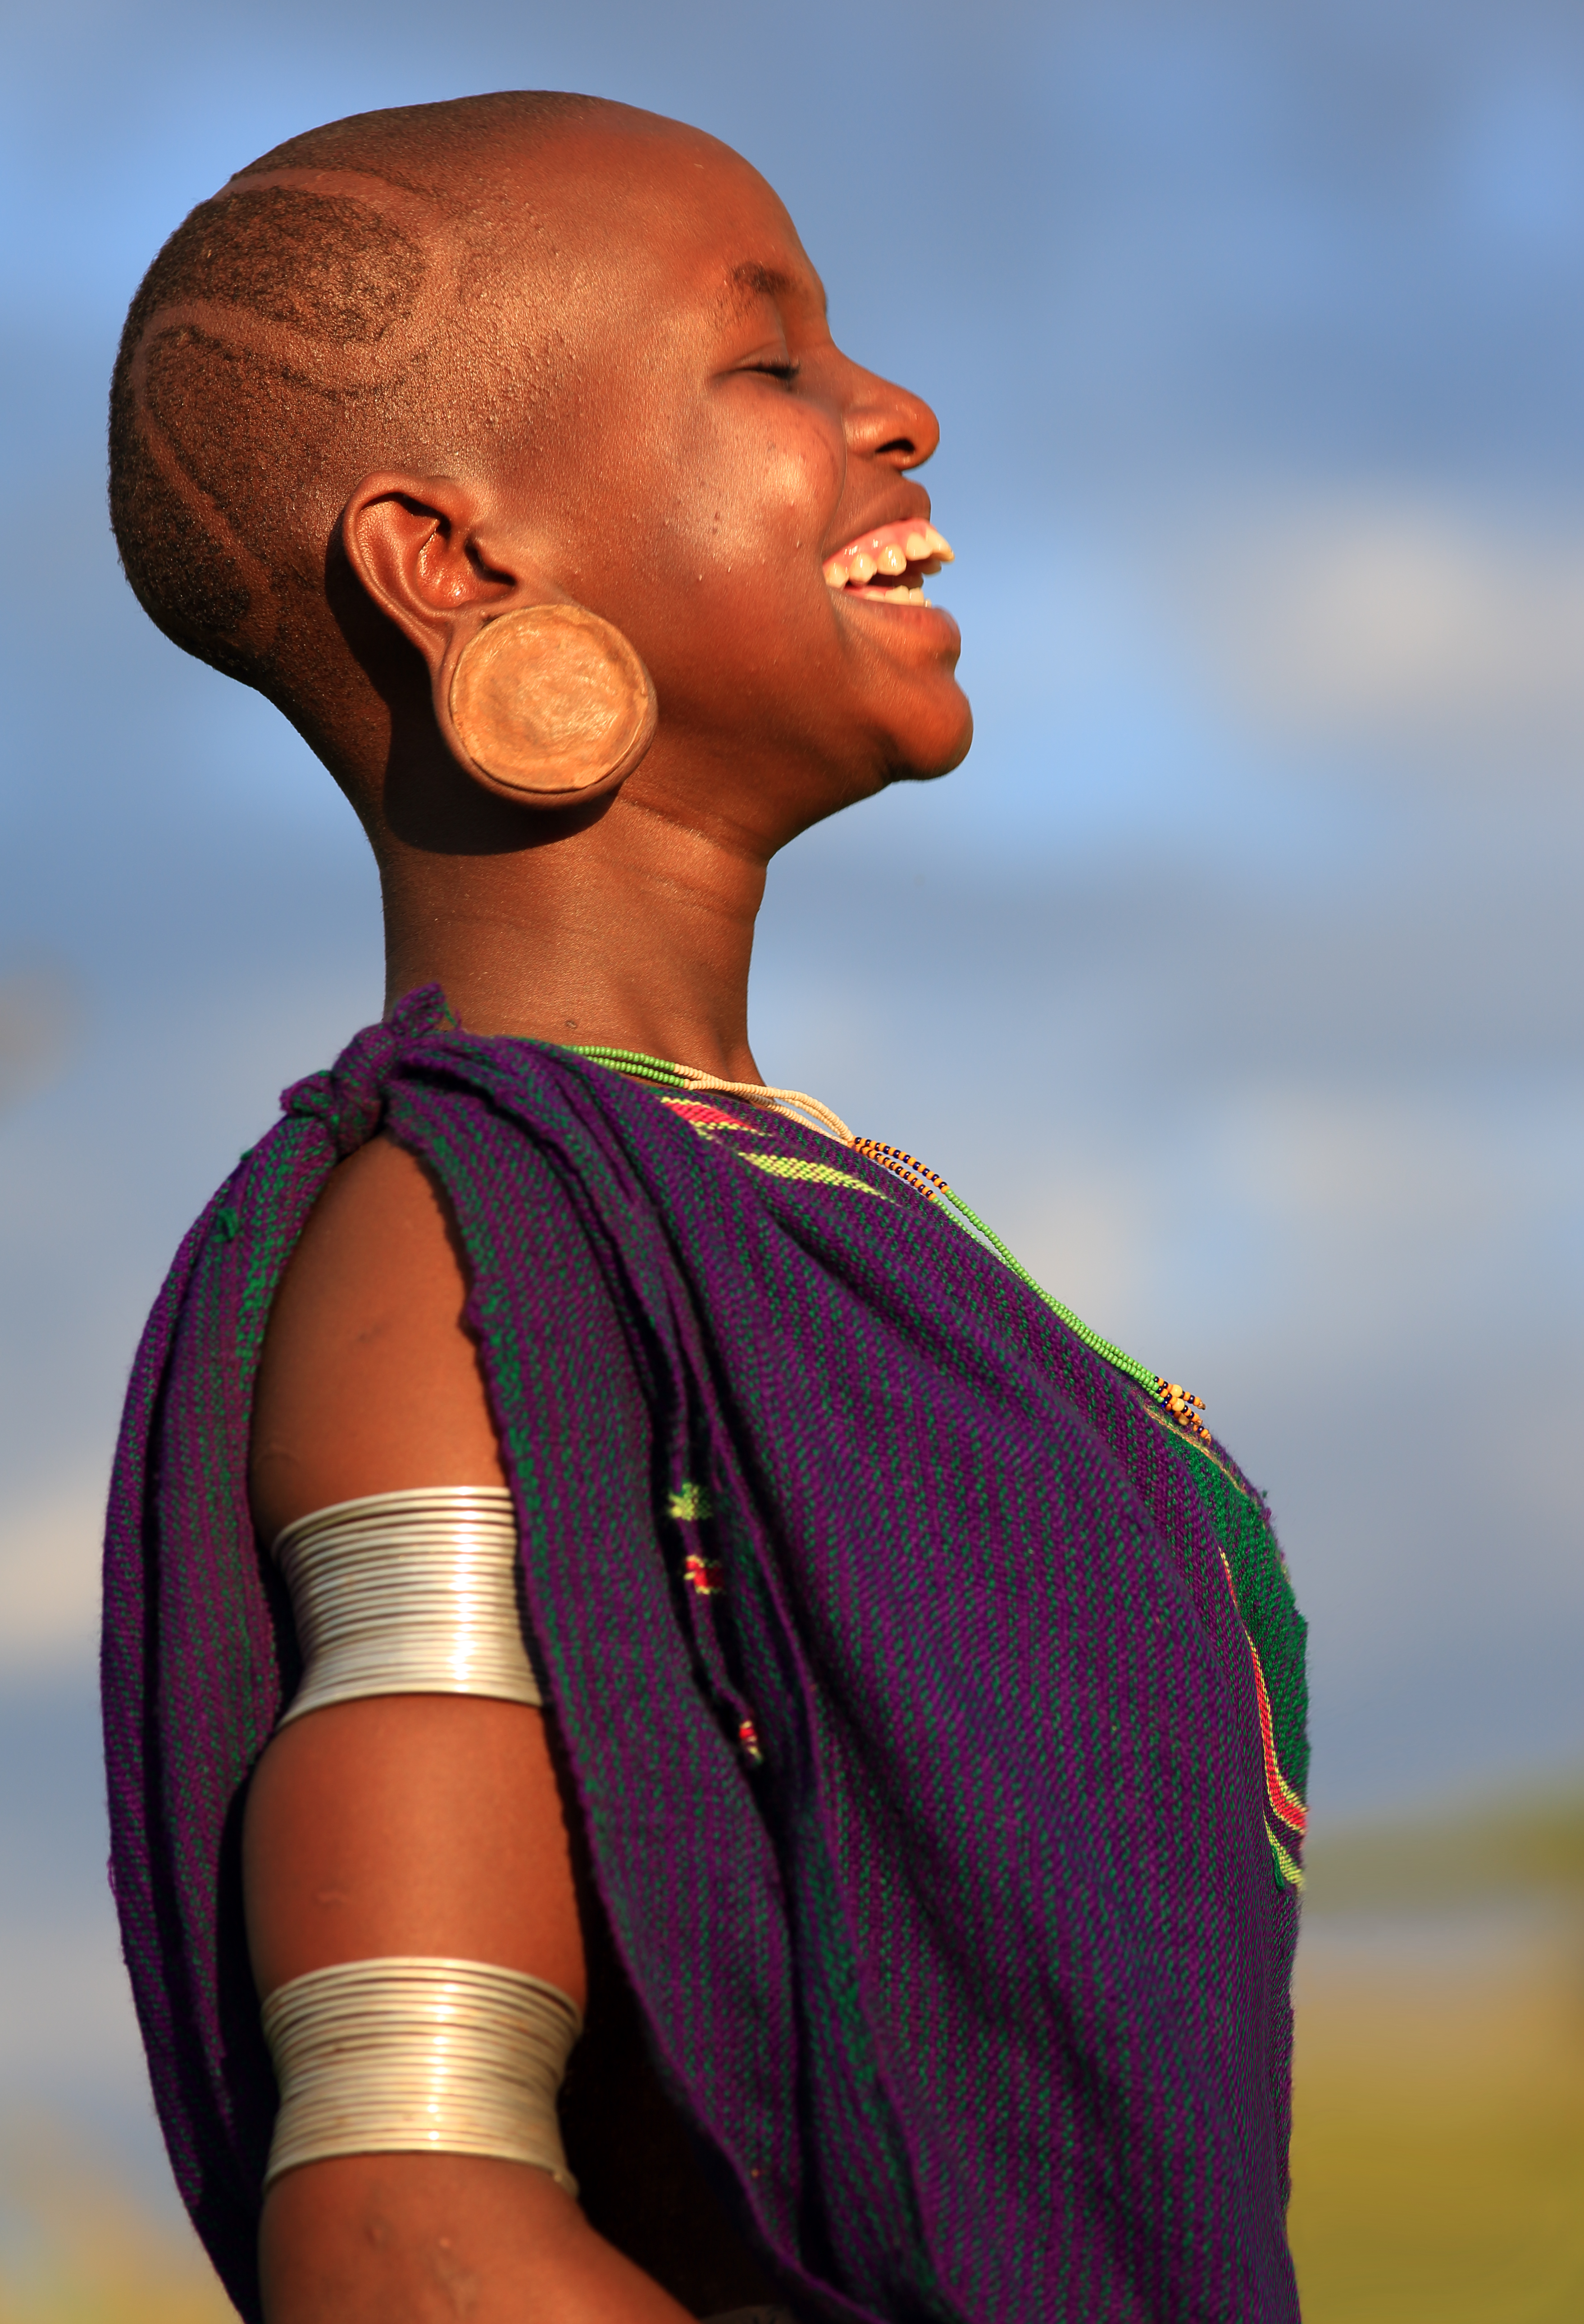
x: 602, y: 1568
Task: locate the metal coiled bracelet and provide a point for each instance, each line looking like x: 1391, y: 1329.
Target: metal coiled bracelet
x: 414, y: 1593
x: 408, y: 1593
x: 413, y: 2055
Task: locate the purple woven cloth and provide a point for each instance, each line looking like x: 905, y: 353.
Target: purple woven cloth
x: 915, y: 1728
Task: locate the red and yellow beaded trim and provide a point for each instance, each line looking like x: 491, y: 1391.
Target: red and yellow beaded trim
x: 1284, y: 1802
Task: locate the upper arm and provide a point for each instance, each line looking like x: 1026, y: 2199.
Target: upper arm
x: 369, y: 1381
x: 427, y: 1824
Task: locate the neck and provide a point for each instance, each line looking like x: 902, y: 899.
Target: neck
x: 633, y: 929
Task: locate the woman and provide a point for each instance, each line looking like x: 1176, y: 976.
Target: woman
x: 888, y: 1786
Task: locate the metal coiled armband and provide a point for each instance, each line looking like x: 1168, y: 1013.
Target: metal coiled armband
x: 413, y: 2055
x: 408, y: 1593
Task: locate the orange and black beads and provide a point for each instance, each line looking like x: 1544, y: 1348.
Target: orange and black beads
x: 1179, y: 1403
x: 917, y: 1175
x: 1183, y: 1405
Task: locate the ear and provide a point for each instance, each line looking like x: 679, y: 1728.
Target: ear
x: 538, y: 699
x: 418, y: 544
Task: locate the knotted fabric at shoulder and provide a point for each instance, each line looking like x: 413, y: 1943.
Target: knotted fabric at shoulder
x: 350, y: 1099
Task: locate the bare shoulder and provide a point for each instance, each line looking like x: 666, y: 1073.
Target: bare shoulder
x: 370, y: 1381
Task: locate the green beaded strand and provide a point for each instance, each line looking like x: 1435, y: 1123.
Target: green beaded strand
x: 638, y: 1066
x: 1090, y: 1338
x: 624, y: 1061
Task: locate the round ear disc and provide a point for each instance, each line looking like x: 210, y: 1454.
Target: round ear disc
x: 551, y: 699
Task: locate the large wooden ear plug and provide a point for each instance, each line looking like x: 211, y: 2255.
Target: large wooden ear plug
x: 549, y: 700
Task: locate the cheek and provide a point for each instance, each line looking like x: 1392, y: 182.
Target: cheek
x: 700, y: 537
x: 753, y: 490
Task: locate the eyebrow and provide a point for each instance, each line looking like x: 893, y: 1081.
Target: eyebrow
x: 750, y: 280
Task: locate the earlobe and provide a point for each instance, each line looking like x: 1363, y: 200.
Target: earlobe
x: 537, y: 699
x: 545, y: 703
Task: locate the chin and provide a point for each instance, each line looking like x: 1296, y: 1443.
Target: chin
x: 932, y: 746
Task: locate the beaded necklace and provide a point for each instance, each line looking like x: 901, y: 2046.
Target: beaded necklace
x: 1183, y: 1406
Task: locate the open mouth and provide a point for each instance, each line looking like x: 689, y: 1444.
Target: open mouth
x: 891, y: 565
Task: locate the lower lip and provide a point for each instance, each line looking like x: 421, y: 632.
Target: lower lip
x: 888, y: 605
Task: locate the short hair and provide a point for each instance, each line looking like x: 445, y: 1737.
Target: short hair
x: 280, y: 345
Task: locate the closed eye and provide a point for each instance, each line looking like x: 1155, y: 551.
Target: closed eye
x: 783, y: 370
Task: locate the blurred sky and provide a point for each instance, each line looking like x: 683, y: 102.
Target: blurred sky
x: 1236, y: 976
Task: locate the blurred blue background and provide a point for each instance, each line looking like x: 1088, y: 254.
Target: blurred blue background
x: 1234, y: 977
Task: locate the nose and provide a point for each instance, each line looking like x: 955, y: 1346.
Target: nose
x: 885, y: 423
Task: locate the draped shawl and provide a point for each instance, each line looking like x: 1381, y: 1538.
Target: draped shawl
x: 933, y: 1704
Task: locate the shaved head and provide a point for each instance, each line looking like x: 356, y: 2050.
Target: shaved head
x: 293, y: 333
x: 419, y: 367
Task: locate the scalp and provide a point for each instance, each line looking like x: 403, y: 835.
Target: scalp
x: 443, y: 150
x: 205, y: 403
x: 292, y: 333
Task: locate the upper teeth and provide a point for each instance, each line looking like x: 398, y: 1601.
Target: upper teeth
x: 889, y: 552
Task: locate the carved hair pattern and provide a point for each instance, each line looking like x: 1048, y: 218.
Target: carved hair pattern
x: 230, y: 612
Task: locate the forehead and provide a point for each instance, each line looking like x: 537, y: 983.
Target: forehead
x: 665, y: 212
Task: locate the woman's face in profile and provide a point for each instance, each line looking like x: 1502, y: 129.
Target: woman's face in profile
x: 708, y: 451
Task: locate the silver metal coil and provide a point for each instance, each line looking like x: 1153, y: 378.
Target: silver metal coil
x: 418, y: 2055
x: 408, y: 1593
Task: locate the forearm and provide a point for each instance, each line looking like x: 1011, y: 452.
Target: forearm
x: 433, y: 2239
